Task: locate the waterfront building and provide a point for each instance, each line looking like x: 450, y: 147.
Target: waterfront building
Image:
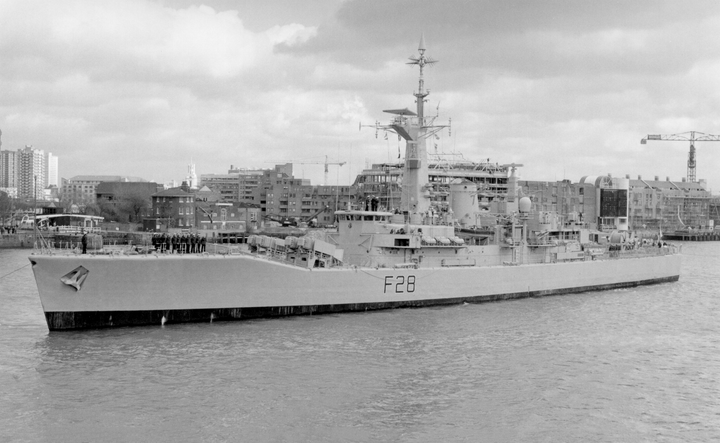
x: 82, y: 189
x: 669, y: 205
x: 574, y: 202
x: 714, y: 210
x: 131, y: 198
x: 220, y: 216
x: 173, y: 208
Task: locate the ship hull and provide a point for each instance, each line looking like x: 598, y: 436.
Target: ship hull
x: 146, y: 290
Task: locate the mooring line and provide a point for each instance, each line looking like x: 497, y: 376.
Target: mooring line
x: 15, y: 270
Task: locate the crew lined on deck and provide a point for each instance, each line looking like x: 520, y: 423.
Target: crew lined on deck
x: 179, y: 243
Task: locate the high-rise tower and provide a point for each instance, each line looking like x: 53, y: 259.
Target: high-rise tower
x: 32, y: 172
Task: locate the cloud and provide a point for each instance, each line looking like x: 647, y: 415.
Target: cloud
x: 117, y: 78
x: 566, y: 87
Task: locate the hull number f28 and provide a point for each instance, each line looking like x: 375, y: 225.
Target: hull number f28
x: 399, y: 284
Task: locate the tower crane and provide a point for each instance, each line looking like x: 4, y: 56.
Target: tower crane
x: 326, y: 163
x: 692, y: 137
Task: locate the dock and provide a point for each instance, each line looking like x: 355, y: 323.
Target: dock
x: 699, y: 235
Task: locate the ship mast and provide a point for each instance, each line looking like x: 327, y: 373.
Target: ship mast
x: 415, y: 128
x: 421, y: 61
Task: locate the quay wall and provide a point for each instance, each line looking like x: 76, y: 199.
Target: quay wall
x: 18, y: 240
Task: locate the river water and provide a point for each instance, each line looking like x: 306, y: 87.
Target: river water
x: 631, y: 365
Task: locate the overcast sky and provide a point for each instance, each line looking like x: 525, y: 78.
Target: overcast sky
x: 566, y: 87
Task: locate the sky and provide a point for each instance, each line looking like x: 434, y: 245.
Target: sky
x: 567, y: 88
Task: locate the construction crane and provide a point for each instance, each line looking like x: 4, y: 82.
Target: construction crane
x: 692, y: 137
x: 326, y: 163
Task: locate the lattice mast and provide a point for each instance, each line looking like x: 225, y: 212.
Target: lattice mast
x: 415, y: 128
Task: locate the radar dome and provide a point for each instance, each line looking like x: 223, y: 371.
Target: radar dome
x: 616, y: 238
x: 524, y: 204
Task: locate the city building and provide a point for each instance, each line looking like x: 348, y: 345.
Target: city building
x: 239, y: 183
x: 219, y: 216
x: 226, y: 185
x: 51, y: 194
x: 32, y: 172
x: 205, y: 194
x: 714, y: 209
x: 172, y: 208
x: 53, y: 172
x: 133, y: 199
x: 28, y: 173
x: 283, y: 197
x: 191, y: 178
x: 576, y: 202
x: 81, y: 189
x: 8, y: 172
x: 669, y: 205
x: 383, y: 181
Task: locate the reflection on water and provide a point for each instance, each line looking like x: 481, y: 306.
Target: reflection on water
x: 628, y: 365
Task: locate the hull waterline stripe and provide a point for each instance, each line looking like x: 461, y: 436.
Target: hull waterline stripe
x: 58, y: 321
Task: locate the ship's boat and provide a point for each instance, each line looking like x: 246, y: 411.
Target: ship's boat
x: 416, y: 255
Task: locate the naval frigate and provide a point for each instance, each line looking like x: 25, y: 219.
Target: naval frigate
x: 426, y: 252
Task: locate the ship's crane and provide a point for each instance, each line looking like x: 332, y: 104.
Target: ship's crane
x: 692, y: 137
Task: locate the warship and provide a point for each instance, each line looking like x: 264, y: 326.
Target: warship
x: 429, y: 251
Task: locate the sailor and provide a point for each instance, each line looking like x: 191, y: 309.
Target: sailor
x: 84, y: 242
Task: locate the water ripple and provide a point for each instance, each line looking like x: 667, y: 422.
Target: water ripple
x: 639, y: 364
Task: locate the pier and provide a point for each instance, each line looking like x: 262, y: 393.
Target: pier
x: 700, y: 235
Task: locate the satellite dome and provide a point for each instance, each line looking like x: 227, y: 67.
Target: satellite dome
x: 616, y: 238
x: 524, y: 204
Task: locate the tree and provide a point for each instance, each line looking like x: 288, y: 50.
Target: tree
x: 5, y: 207
x: 166, y: 213
x: 134, y: 204
x: 108, y: 211
x: 91, y: 209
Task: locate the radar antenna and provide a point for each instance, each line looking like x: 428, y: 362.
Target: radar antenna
x: 421, y: 61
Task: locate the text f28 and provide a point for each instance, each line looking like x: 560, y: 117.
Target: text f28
x: 399, y: 284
